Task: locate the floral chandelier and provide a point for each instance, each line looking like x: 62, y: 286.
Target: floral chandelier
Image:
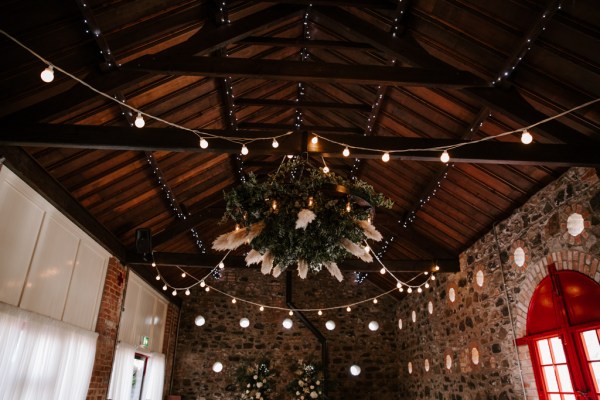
x: 301, y: 216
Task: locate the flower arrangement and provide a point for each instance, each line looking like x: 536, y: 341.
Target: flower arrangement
x: 309, y: 383
x: 301, y: 216
x: 255, y: 382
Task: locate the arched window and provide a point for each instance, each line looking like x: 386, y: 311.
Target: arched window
x: 563, y: 331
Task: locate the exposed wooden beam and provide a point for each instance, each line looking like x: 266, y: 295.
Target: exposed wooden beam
x: 286, y: 127
x: 304, y: 105
x: 406, y: 49
x: 305, y: 43
x: 22, y: 164
x: 305, y: 72
x: 169, y: 139
x: 373, y: 4
x: 208, y: 261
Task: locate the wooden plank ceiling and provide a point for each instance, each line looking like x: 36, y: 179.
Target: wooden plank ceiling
x: 375, y: 73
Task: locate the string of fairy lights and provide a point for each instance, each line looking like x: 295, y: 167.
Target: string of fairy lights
x: 47, y: 76
x: 424, y: 280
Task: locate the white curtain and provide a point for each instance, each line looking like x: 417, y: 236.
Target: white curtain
x: 155, y: 377
x: 41, y: 358
x: 121, y: 377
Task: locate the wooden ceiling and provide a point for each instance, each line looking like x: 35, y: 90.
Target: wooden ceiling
x: 379, y: 74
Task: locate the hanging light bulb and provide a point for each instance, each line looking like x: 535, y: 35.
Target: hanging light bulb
x: 244, y: 150
x: 346, y: 152
x: 165, y: 287
x: 47, y: 75
x: 419, y: 290
x: 526, y: 137
x: 348, y: 309
x: 311, y: 201
x: 174, y: 292
x: 275, y: 143
x: 139, y: 121
x: 409, y: 290
x: 348, y: 207
x: 203, y: 143
x: 274, y: 205
x: 320, y: 312
x: 398, y: 285
x: 234, y: 300
x: 287, y: 323
x: 314, y: 140
x: 382, y: 271
x: 433, y: 277
x: 202, y: 284
x: 427, y: 286
x: 207, y: 288
x: 437, y: 267
x: 221, y: 265
x: 153, y: 264
x: 373, y: 326
x: 187, y: 292
x: 385, y: 157
x: 244, y: 322
x: 183, y: 274
x: 401, y: 289
x: 330, y: 325
x: 290, y: 156
x: 262, y: 308
x: 326, y: 169
x: 291, y: 313
x: 355, y: 370
x: 158, y: 277
x: 445, y: 157
x: 367, y: 249
x: 375, y: 301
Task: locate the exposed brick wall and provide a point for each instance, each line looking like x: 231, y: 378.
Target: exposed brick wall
x: 481, y: 316
x: 222, y: 339
x: 107, y: 327
x: 169, y: 342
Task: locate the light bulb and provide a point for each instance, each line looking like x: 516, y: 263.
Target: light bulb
x: 348, y: 207
x: 346, y: 152
x: 419, y: 290
x: 409, y: 290
x: 262, y: 308
x: 382, y: 271
x: 437, y: 267
x: 330, y: 325
x: 207, y: 289
x: 158, y: 277
x: 526, y: 137
x: 401, y: 289
x: 165, y: 287
x: 433, y: 277
x: 202, y: 284
x: 174, y: 292
x: 47, y: 75
x: 398, y: 285
x: 287, y: 323
x: 291, y: 313
x: 244, y: 150
x: 375, y: 301
x: 367, y: 249
x: 355, y: 370
x: 187, y: 292
x: 385, y: 157
x: 221, y: 265
x: 314, y: 140
x: 233, y: 301
x: 199, y: 321
x: 217, y: 367
x: 348, y: 309
x: 290, y: 156
x: 427, y: 286
x: 244, y: 322
x: 153, y: 264
x: 445, y: 157
x: 275, y: 143
x: 373, y: 326
x: 320, y: 312
x: 326, y: 169
x: 139, y: 121
x: 203, y: 143
x: 183, y: 274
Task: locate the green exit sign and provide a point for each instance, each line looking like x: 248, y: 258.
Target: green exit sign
x: 145, y: 341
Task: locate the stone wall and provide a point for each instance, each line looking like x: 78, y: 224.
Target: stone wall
x: 107, y: 326
x: 222, y: 338
x: 488, y: 318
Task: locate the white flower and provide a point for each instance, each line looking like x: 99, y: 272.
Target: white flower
x: 318, y: 382
x: 255, y: 377
x: 313, y: 395
x: 248, y: 385
x: 297, y: 393
x: 259, y: 385
x: 305, y: 217
x: 312, y: 387
x: 264, y: 381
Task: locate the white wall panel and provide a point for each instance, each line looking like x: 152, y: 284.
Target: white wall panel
x: 51, y: 269
x: 127, y: 324
x: 86, y: 287
x: 21, y: 221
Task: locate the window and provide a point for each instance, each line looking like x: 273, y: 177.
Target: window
x: 563, y: 330
x: 139, y: 369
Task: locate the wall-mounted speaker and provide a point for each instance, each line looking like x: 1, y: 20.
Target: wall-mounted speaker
x: 143, y: 241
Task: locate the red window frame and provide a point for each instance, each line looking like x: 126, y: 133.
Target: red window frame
x: 577, y: 359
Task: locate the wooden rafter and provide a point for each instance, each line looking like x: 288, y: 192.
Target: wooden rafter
x: 169, y: 139
x: 303, y: 105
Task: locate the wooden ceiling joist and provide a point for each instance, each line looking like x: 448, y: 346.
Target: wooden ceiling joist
x: 304, y: 72
x: 205, y: 261
x: 170, y: 139
x: 305, y: 105
x: 305, y: 43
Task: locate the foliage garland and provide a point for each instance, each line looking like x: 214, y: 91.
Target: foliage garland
x: 309, y: 383
x: 273, y: 205
x: 255, y: 382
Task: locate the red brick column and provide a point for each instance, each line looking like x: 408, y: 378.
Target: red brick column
x: 107, y: 325
x: 169, y: 341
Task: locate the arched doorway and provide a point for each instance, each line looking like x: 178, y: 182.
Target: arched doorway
x: 563, y: 336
